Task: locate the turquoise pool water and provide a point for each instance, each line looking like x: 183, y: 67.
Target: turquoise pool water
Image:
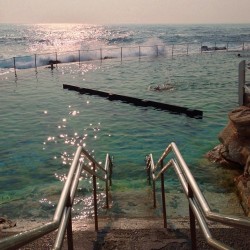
x: 42, y: 124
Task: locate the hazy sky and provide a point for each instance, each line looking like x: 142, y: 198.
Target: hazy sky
x: 124, y: 11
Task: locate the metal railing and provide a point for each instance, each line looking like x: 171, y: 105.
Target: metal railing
x: 62, y: 219
x: 244, y: 83
x: 198, y: 207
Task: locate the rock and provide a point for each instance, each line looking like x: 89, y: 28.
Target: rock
x: 235, y: 138
x: 240, y: 119
x: 243, y: 187
x: 108, y: 57
x: 216, y: 155
x: 54, y: 61
x: 5, y: 223
x: 234, y: 150
x: 163, y: 87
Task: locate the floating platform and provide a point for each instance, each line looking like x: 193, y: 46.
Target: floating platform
x: 138, y: 102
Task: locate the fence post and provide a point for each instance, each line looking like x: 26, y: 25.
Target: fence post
x: 121, y: 53
x: 95, y: 198
x: 139, y: 52
x: 227, y: 46
x: 201, y: 47
x: 187, y: 49
x: 172, y: 50
x: 101, y: 54
x: 35, y: 61
x: 157, y: 51
x: 243, y: 46
x: 56, y: 57
x: 79, y: 54
x: 192, y: 220
x: 14, y: 63
x: 163, y: 197
x: 241, y: 90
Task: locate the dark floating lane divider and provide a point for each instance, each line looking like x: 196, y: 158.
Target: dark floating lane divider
x: 138, y: 102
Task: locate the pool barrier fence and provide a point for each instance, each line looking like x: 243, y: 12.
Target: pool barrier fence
x: 120, y: 53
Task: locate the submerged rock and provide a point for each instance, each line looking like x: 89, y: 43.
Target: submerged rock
x: 163, y: 87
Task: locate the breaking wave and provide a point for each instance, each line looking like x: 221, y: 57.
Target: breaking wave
x: 38, y: 60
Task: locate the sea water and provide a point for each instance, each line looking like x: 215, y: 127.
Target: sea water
x: 42, y: 124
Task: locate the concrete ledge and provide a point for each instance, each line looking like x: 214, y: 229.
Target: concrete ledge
x: 193, y: 113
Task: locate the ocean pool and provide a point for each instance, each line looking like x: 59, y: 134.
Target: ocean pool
x: 42, y: 124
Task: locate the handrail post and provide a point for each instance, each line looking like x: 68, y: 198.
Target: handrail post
x: 69, y: 227
x: 149, y: 176
x: 154, y: 196
x: 148, y: 160
x: 192, y: 220
x: 107, y: 190
x: 110, y: 171
x: 163, y: 198
x: 95, y: 198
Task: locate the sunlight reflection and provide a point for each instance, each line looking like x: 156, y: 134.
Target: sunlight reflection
x: 45, y: 201
x: 84, y: 206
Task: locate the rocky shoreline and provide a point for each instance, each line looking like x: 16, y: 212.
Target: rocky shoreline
x: 234, y: 151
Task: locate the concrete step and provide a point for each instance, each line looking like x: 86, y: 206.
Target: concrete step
x: 148, y: 234
x: 138, y: 234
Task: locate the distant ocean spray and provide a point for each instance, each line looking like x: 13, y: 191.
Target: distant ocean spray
x: 36, y: 45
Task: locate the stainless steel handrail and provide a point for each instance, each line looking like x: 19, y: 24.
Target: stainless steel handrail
x: 198, y: 205
x: 62, y: 217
